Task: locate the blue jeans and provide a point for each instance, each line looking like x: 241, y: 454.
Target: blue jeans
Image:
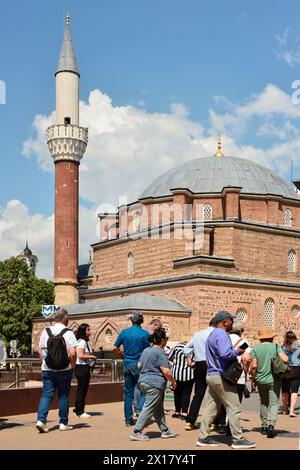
x: 138, y: 400
x: 131, y: 375
x: 52, y: 381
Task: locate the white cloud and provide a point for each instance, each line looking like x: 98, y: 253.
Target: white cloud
x: 268, y: 106
x: 288, y: 48
x: 15, y: 221
x: 127, y: 148
x: 283, y: 38
x: 290, y: 57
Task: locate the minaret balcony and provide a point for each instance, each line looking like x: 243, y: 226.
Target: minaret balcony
x: 67, y: 142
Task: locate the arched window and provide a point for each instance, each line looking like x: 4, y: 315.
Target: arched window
x: 291, y: 261
x: 136, y: 222
x: 269, y: 313
x: 241, y: 314
x: 111, y: 233
x: 207, y: 212
x: 130, y: 263
x: 295, y: 310
x: 288, y: 217
x: 108, y: 336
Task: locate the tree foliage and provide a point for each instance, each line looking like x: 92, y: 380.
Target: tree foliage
x: 21, y: 296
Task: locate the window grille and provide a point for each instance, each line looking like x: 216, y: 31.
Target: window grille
x: 269, y: 313
x: 108, y: 336
x: 241, y: 314
x: 111, y: 233
x: 207, y: 212
x: 291, y: 261
x: 136, y: 222
x: 130, y: 264
x: 288, y: 217
x: 295, y: 310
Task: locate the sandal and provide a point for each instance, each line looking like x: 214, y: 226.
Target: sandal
x: 292, y: 415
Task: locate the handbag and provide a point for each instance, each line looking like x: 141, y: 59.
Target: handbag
x: 90, y: 362
x: 278, y: 366
x: 232, y: 373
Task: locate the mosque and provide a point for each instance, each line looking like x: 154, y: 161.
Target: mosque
x: 218, y: 232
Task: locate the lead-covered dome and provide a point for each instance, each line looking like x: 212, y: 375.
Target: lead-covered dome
x: 212, y: 174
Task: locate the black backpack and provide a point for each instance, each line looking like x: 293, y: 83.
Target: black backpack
x: 57, y: 355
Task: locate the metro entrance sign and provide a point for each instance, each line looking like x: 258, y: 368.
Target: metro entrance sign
x: 49, y: 310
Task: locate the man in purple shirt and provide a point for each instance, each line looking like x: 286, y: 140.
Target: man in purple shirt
x: 219, y: 355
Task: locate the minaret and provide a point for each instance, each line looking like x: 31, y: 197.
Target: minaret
x: 67, y: 142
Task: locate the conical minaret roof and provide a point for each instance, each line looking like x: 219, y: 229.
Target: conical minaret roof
x: 67, y: 59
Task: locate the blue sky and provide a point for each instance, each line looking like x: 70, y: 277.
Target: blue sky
x: 150, y: 56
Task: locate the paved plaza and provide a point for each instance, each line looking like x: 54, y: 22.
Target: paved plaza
x: 105, y: 430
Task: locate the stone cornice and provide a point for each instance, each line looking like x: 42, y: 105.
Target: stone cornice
x: 203, y: 259
x: 216, y: 279
x: 117, y: 312
x: 145, y: 233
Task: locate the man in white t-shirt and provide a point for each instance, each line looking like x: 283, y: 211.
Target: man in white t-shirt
x: 59, y: 380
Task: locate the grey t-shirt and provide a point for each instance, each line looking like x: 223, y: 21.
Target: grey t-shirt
x: 151, y: 360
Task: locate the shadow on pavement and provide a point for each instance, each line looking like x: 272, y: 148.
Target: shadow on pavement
x: 9, y: 425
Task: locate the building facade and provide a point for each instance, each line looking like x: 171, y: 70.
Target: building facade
x: 215, y: 233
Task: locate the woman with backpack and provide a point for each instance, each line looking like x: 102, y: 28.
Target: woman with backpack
x: 291, y: 347
x: 267, y: 382
x: 82, y: 369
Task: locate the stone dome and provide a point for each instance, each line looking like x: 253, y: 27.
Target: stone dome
x: 212, y: 174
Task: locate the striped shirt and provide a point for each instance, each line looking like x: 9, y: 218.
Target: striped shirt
x: 180, y: 370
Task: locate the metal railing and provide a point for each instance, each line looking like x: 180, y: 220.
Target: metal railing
x: 110, y: 368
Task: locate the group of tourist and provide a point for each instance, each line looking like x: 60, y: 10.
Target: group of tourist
x: 203, y: 363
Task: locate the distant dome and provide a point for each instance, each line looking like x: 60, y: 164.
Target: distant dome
x: 212, y: 174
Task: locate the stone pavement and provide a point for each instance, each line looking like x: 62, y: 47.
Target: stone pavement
x: 105, y: 430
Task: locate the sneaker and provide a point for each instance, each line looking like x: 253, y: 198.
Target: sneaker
x: 65, y: 427
x: 264, y: 430
x: 84, y: 415
x: 138, y: 436
x: 190, y: 426
x: 167, y: 434
x: 131, y: 422
x: 42, y: 427
x: 208, y: 441
x: 242, y: 444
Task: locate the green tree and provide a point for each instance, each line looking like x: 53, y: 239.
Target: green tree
x: 21, y: 296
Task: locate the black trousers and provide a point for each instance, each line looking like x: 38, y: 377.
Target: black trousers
x: 200, y: 389
x: 182, y: 395
x: 82, y: 373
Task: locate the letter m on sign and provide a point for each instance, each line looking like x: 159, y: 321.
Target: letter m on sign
x: 49, y: 310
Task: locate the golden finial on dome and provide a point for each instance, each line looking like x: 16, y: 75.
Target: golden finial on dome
x: 219, y: 152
